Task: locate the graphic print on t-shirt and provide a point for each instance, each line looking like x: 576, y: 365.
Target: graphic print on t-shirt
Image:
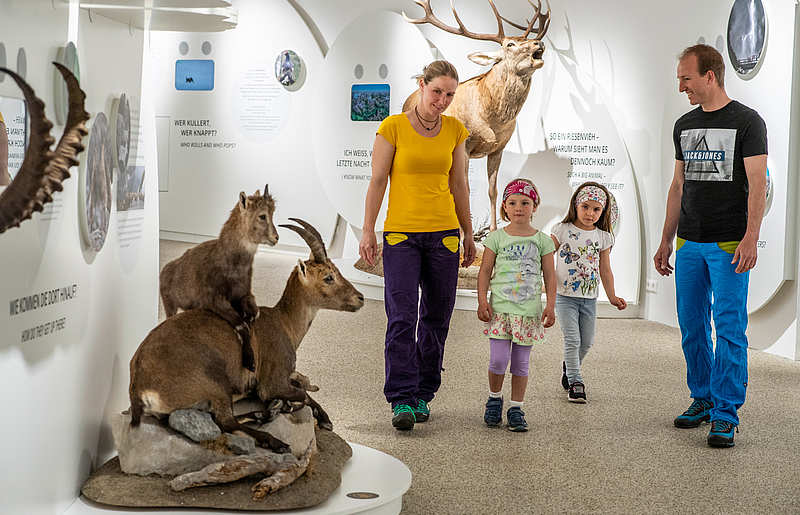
x: 527, y: 280
x: 708, y: 154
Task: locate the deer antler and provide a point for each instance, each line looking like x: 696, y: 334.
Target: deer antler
x: 544, y: 21
x: 42, y: 170
x: 461, y: 31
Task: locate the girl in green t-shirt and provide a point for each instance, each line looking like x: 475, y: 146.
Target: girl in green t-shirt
x: 515, y: 258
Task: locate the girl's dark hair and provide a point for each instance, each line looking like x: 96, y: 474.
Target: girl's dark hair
x: 503, y: 214
x: 604, y: 222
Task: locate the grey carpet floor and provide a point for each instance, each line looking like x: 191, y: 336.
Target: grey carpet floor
x: 617, y: 454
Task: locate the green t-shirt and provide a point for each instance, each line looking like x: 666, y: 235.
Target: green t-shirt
x: 516, y: 283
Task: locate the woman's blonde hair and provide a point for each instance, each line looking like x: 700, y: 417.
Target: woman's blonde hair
x: 536, y: 201
x: 437, y: 69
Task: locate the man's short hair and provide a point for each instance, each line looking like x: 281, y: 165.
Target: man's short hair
x: 708, y: 58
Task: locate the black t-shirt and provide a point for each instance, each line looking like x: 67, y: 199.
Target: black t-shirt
x: 713, y: 146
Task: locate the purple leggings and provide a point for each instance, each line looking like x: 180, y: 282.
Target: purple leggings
x: 501, y: 351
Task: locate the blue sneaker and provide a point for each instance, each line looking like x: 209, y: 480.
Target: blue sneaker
x: 403, y: 418
x: 516, y: 420
x: 493, y: 415
x: 697, y: 413
x: 422, y: 412
x: 721, y: 434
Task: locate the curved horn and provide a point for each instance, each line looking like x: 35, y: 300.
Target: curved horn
x: 317, y: 249
x: 310, y: 228
x: 42, y: 170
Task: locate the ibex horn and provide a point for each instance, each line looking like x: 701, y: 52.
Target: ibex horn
x: 42, y: 170
x: 310, y: 228
x: 312, y: 240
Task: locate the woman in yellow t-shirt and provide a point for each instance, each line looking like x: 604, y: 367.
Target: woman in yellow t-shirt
x: 421, y: 155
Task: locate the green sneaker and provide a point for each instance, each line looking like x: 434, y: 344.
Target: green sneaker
x: 403, y: 418
x: 422, y: 412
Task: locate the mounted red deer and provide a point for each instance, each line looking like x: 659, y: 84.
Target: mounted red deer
x: 488, y: 104
x: 43, y: 170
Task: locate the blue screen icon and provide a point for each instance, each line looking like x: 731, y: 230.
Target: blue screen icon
x: 194, y: 74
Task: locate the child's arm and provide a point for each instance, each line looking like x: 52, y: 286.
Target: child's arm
x: 549, y: 272
x: 484, y: 276
x: 555, y: 241
x: 608, y: 279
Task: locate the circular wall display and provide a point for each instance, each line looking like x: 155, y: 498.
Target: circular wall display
x: 96, y: 191
x: 121, y: 122
x: 67, y: 56
x: 747, y: 37
x: 290, y: 70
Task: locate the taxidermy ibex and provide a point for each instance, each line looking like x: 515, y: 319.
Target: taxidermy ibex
x: 192, y: 359
x: 217, y: 274
x: 488, y: 104
x: 43, y: 170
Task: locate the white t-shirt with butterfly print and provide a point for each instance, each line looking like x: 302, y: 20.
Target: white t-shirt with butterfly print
x: 578, y: 259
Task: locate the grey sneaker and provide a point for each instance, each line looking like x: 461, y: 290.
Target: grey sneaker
x: 516, y: 420
x: 577, y: 393
x: 493, y: 415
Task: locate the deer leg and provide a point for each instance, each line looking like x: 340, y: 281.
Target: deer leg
x: 492, y: 166
x: 223, y: 307
x: 222, y: 409
x: 323, y: 419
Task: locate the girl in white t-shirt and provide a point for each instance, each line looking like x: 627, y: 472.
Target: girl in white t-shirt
x: 583, y: 243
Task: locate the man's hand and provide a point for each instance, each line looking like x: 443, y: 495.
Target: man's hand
x: 661, y: 259
x: 746, y: 254
x: 469, y: 250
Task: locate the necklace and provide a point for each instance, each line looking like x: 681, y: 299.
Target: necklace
x: 421, y: 119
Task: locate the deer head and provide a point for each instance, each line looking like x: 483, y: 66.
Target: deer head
x: 43, y: 170
x: 519, y: 53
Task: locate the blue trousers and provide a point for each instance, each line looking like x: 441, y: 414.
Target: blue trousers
x: 706, y: 283
x: 414, y: 261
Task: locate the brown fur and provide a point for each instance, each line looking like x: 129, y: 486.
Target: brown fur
x: 217, y: 275
x: 488, y: 104
x: 192, y: 358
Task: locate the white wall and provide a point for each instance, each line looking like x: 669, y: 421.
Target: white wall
x: 60, y: 388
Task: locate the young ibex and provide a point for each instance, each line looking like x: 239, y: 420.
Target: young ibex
x: 192, y: 358
x: 217, y: 275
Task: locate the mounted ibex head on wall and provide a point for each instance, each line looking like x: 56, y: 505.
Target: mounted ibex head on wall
x: 488, y: 104
x: 43, y: 170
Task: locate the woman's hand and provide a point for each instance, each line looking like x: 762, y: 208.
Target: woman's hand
x: 548, y: 316
x: 619, y: 302
x: 469, y: 250
x: 368, y: 247
x: 484, y: 311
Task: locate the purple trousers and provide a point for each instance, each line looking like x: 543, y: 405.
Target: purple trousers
x: 413, y: 261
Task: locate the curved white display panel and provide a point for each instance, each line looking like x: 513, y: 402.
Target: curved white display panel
x: 377, y: 44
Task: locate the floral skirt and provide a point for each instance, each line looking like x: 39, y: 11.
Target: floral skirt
x: 520, y: 329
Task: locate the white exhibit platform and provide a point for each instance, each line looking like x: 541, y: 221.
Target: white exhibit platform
x: 372, y: 285
x: 375, y: 482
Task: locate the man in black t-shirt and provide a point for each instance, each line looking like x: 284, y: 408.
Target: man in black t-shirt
x: 715, y: 203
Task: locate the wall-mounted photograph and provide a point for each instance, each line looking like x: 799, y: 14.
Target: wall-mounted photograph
x: 290, y: 70
x: 13, y: 137
x: 97, y: 183
x: 747, y: 36
x: 121, y: 122
x: 130, y: 189
x: 369, y: 102
x: 194, y: 75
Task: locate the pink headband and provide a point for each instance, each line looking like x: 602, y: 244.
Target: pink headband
x: 591, y: 193
x: 520, y: 188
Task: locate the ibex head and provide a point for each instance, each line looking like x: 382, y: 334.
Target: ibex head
x: 256, y: 213
x: 519, y: 53
x: 324, y: 284
x: 43, y: 170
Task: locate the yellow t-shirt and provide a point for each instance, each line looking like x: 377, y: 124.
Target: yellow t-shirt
x: 1, y: 118
x: 419, y: 192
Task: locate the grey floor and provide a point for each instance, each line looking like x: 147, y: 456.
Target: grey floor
x: 617, y: 454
